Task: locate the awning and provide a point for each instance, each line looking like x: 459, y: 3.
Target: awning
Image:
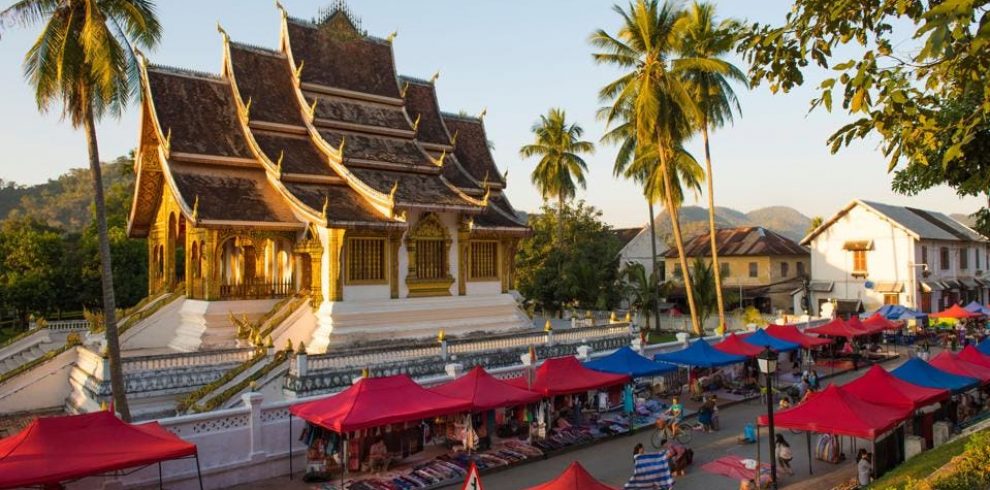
x: 858, y: 245
x: 761, y: 339
x: 970, y: 283
x: 848, y: 306
x: 984, y: 347
x: 899, y: 312
x: 951, y: 284
x: 575, y: 477
x: 629, y: 362
x: 699, y: 354
x: 879, y: 322
x: 921, y: 373
x: 889, y: 287
x: 838, y: 328
x: 791, y: 333
x: 856, y: 323
x: 929, y: 286
x: 566, y: 376
x: 374, y: 402
x: 52, y: 450
x: 952, y: 364
x: 821, y: 286
x: 974, y: 307
x: 878, y: 386
x: 733, y: 344
x: 836, y: 411
x: 485, y: 392
x: 973, y: 356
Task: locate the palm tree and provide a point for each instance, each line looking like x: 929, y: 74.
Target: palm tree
x: 706, y: 42
x: 642, y: 290
x: 561, y: 168
x: 84, y: 59
x: 663, y: 111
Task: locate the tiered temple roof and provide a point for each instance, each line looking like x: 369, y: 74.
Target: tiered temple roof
x: 321, y: 131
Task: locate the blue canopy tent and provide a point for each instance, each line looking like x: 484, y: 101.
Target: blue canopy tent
x: 984, y: 346
x: 699, y: 354
x: 916, y: 371
x: 900, y: 312
x: 761, y: 338
x: 974, y: 307
x: 629, y: 362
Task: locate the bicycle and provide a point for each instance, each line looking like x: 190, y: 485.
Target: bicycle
x: 665, y: 432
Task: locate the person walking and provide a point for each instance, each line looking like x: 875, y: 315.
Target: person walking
x: 784, y: 454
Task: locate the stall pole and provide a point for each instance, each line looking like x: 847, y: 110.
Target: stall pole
x: 199, y: 473
x: 810, y: 458
x: 343, y: 472
x: 290, y: 446
x: 758, y: 452
x: 160, y: 483
x: 873, y: 458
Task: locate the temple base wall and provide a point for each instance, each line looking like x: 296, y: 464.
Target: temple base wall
x: 347, y: 322
x: 206, y: 325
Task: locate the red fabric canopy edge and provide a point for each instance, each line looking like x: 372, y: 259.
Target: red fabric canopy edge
x: 486, y: 392
x: 374, y: 402
x: 951, y: 363
x: 838, y: 328
x: 955, y: 311
x: 878, y: 386
x: 575, y: 477
x: 836, y: 411
x: 973, y: 356
x: 791, y: 333
x: 565, y: 376
x: 57, y: 449
x: 733, y: 344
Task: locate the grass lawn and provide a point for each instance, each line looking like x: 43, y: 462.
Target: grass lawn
x: 656, y: 337
x: 7, y: 333
x: 921, y: 465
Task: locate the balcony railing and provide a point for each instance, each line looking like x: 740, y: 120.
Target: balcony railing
x: 256, y: 290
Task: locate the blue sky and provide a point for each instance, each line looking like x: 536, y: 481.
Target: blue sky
x: 517, y: 58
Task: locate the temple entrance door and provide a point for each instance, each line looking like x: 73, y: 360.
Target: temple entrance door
x: 305, y: 272
x: 250, y: 263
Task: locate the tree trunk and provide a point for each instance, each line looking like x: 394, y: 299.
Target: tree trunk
x: 656, y: 268
x: 716, y: 270
x: 560, y: 220
x: 106, y: 273
x: 678, y: 239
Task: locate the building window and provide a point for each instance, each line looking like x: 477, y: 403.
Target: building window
x: 964, y: 258
x: 785, y: 269
x: 724, y: 269
x: 484, y: 260
x: 431, y: 261
x: 800, y: 269
x: 977, y: 255
x: 677, y: 271
x: 859, y: 262
x: 754, y: 269
x: 891, y: 299
x: 924, y: 254
x: 944, y: 258
x: 365, y: 260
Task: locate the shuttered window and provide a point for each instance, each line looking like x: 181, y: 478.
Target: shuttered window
x: 431, y: 262
x: 859, y: 261
x: 484, y: 260
x: 365, y: 260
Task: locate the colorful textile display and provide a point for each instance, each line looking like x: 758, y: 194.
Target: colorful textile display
x: 827, y: 449
x: 651, y: 470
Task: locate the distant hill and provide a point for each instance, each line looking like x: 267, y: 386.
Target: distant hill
x: 65, y: 202
x: 782, y: 219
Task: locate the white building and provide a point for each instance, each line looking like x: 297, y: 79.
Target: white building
x: 870, y: 254
x: 638, y: 249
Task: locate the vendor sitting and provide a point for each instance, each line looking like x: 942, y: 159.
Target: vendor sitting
x: 378, y: 457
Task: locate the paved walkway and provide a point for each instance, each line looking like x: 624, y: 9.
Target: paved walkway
x: 611, y: 461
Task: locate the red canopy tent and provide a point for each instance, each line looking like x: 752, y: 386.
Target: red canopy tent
x: 565, y: 376
x: 485, y: 392
x: 880, y: 322
x: 733, y: 344
x: 52, y: 450
x: 950, y: 363
x: 374, y: 402
x: 973, y: 356
x: 575, y: 477
x: 838, y: 328
x: 878, y: 386
x: 955, y: 311
x: 791, y: 333
x: 836, y: 411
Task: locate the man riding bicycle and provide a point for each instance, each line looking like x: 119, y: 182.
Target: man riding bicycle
x: 674, y: 415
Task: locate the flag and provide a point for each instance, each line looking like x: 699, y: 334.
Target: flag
x: 473, y: 481
x: 651, y: 470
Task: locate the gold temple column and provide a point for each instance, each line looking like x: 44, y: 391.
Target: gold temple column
x: 463, y: 257
x: 211, y: 271
x: 336, y: 272
x: 316, y: 277
x: 394, y: 243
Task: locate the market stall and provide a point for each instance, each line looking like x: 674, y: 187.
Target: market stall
x: 704, y: 376
x: 916, y: 371
x: 567, y: 376
x: 838, y: 328
x: 984, y: 347
x: 575, y: 477
x: 976, y: 307
x: 54, y: 450
x: 951, y: 363
x: 733, y: 344
x: 631, y: 363
x: 652, y: 381
x: 761, y: 339
x: 699, y: 354
x: 791, y: 333
x: 900, y: 312
x: 955, y: 312
x: 972, y: 355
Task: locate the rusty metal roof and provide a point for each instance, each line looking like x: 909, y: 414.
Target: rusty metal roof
x: 741, y: 241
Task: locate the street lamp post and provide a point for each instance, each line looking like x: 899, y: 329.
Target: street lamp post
x: 767, y: 361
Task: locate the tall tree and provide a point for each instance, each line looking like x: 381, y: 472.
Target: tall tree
x: 642, y: 290
x: 561, y: 168
x: 652, y: 88
x: 84, y: 60
x: 814, y: 224
x: 707, y: 41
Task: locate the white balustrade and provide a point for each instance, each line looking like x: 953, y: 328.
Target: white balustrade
x: 185, y: 359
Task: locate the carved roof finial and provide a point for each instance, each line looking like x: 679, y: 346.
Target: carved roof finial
x: 483, y: 113
x: 222, y: 32
x: 453, y: 138
x: 416, y: 122
x: 439, y: 161
x: 281, y: 8
x: 299, y: 69
x: 168, y: 141
x: 343, y: 140
x: 312, y: 109
x: 505, y: 175
x: 435, y: 76
x: 393, y: 191
x: 278, y: 165
x: 195, y: 209
x: 391, y: 37
x: 488, y: 194
x: 247, y: 108
x: 326, y: 204
x: 405, y: 88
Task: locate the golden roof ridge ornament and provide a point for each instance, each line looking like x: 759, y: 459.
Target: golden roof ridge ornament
x: 195, y: 209
x: 278, y: 165
x: 505, y: 175
x: 312, y: 109
x: 223, y: 33
x: 340, y: 149
x: 404, y: 89
x: 247, y: 107
x: 416, y: 122
x: 483, y: 113
x: 391, y: 37
x: 440, y: 161
x: 281, y: 8
x: 168, y: 141
x: 393, y: 191
x: 453, y: 138
x: 326, y: 204
x: 299, y: 69
x: 436, y: 75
